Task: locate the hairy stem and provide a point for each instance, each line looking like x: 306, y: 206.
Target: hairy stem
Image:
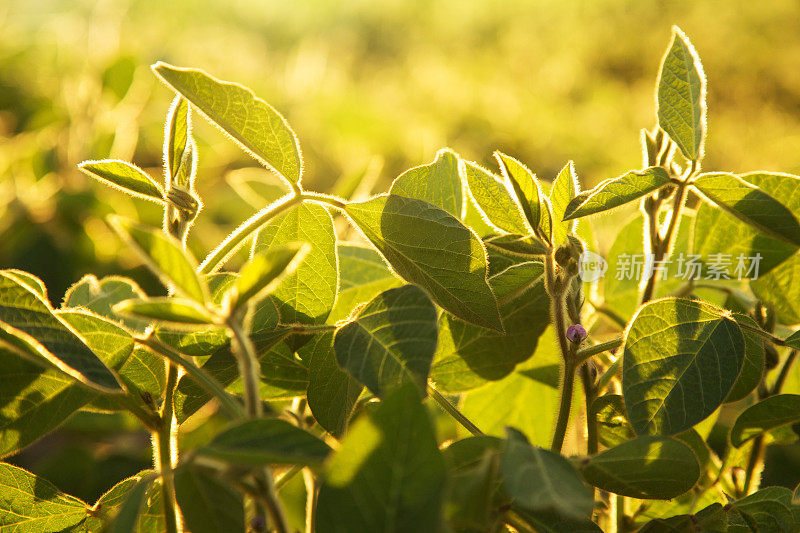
x: 586, y: 353
x: 165, y: 443
x: 249, y: 369
x: 660, y: 247
x: 204, y: 379
x: 237, y: 238
x: 250, y: 372
x: 556, y: 293
x: 453, y: 411
x: 591, y: 421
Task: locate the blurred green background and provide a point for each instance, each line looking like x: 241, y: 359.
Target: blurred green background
x: 370, y: 86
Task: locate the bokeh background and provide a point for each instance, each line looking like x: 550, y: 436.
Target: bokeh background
x: 372, y: 87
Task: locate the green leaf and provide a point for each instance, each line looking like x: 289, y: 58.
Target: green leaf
x: 391, y: 340
x: 255, y: 125
x: 164, y: 256
x: 207, y: 504
x: 264, y: 272
x: 202, y: 342
x: 363, y: 275
x: 717, y: 231
x: 613, y: 427
x: 493, y: 200
x: 681, y: 96
x: 753, y: 367
x: 681, y: 359
x: 173, y: 311
x: 30, y: 504
x: 467, y: 356
x: 527, y: 193
x: 306, y: 295
x: 770, y: 413
x: 519, y: 245
x: 389, y: 472
x: 32, y: 281
x: 109, y: 504
x: 615, y: 192
x: 101, y: 295
x: 441, y: 254
x: 749, y: 204
x: 125, y: 177
x: 565, y: 187
x: 127, y: 517
x: 29, y: 328
x: 770, y: 509
x: 471, y: 498
x: 437, y: 183
x: 332, y: 393
x: 541, y: 480
x: 647, y: 468
x: 178, y: 144
x: 508, y: 402
x: 266, y: 441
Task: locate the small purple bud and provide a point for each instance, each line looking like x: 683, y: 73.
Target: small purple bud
x: 258, y: 523
x: 576, y: 333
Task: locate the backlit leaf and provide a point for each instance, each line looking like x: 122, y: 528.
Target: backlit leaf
x: 615, y: 192
x: 681, y: 96
x: 753, y: 366
x: 125, y: 177
x: 266, y: 441
x: 255, y: 125
x: 493, y: 199
x: 332, y: 393
x: 648, y: 467
x: 526, y: 190
x: 101, y: 295
x: 441, y: 255
x: 390, y: 341
x: 173, y: 311
x: 565, y: 187
x: 541, y: 480
x: 264, y: 271
x: 389, y: 472
x: 750, y: 204
x: 306, y: 295
x: 164, y: 256
x: 467, y: 356
x: 178, y: 142
x: 29, y: 328
x: 681, y: 360
x: 770, y: 413
x: 29, y: 504
x: 207, y: 504
x: 363, y: 276
x: 437, y: 183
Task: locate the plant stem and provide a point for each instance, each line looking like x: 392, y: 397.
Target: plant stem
x: 205, y: 380
x: 564, y: 407
x: 234, y: 241
x: 608, y: 375
x: 165, y: 440
x: 660, y: 247
x: 453, y: 411
x: 586, y: 353
x: 287, y: 476
x: 250, y: 372
x: 568, y: 369
x: 249, y: 369
x: 591, y: 421
x: 784, y: 373
x: 756, y: 454
x: 311, y: 498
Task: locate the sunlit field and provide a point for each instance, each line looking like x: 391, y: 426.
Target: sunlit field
x: 372, y: 89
